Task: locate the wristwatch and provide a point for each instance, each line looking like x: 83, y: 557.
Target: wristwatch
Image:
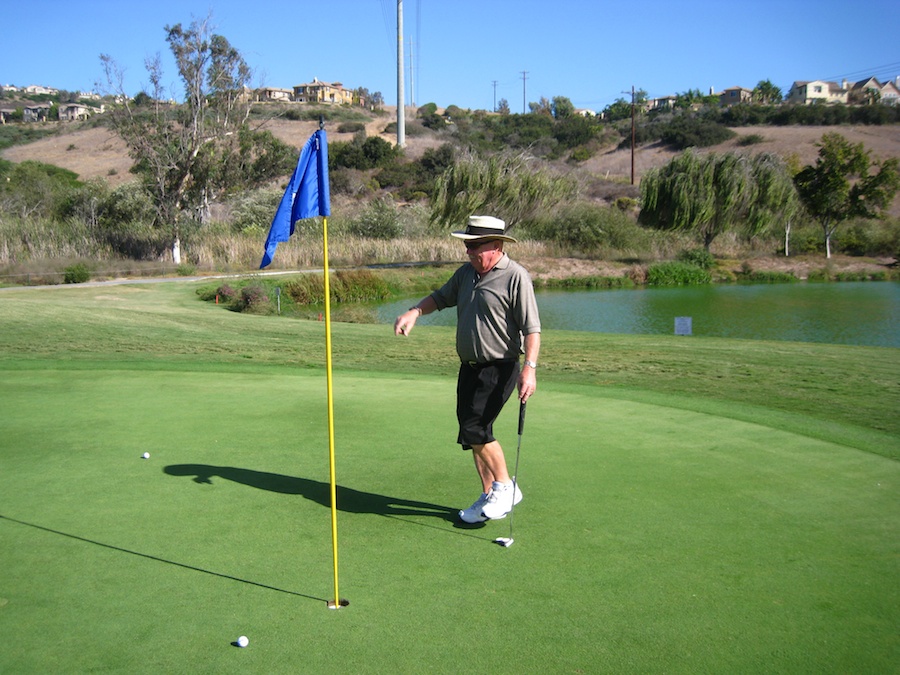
x: 530, y: 363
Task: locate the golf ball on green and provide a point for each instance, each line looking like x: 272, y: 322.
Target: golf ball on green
x: 243, y: 641
x: 146, y: 455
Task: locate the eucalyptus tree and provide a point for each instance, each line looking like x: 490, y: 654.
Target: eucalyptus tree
x: 840, y: 185
x: 179, y: 149
x: 505, y: 186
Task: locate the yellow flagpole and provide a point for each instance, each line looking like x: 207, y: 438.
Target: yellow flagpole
x: 337, y: 603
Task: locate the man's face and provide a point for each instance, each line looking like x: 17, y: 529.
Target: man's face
x: 483, y: 255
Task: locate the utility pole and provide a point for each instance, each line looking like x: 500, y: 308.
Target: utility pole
x: 632, y: 134
x: 524, y: 77
x: 401, y: 116
x: 494, y: 82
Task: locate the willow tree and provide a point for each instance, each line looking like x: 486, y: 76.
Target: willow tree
x: 706, y: 195
x: 506, y: 186
x: 776, y: 198
x: 177, y: 148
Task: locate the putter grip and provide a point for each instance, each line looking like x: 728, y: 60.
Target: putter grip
x: 521, y: 418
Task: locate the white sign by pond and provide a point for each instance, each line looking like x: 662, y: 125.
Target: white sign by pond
x: 682, y: 325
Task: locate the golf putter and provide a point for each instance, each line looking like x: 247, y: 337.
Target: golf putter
x: 506, y: 542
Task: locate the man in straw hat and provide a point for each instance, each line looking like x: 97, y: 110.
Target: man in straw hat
x: 497, y: 322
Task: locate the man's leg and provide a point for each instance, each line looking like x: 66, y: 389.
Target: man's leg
x: 490, y: 464
x: 503, y: 493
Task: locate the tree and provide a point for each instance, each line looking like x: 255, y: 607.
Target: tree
x: 704, y: 194
x: 561, y: 107
x: 503, y: 106
x: 501, y: 185
x: 840, y: 186
x: 542, y: 107
x: 177, y: 148
x: 766, y: 93
x: 776, y: 197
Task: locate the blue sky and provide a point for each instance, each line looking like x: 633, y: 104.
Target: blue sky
x: 473, y: 52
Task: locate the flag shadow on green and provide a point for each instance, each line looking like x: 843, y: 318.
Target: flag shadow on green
x: 348, y: 499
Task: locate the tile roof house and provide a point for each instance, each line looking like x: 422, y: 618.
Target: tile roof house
x: 322, y: 92
x: 816, y: 91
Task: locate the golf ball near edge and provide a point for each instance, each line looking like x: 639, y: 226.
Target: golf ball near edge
x: 146, y: 455
x: 243, y: 641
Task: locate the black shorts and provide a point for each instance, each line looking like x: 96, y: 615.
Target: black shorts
x: 481, y: 391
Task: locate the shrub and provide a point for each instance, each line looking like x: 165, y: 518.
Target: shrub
x: 308, y: 289
x: 626, y: 203
x: 379, y: 220
x: 351, y: 127
x: 76, y: 274
x: 748, y: 275
x: 253, y: 297
x: 686, y: 132
x: 677, y: 274
x: 699, y: 257
x: 358, y: 286
x: 750, y: 139
x: 581, y: 154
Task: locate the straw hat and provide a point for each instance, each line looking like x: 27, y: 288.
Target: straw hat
x: 485, y: 228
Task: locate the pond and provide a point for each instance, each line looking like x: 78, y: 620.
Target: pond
x: 855, y: 313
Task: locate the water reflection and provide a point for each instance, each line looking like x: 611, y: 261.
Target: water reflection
x: 861, y: 313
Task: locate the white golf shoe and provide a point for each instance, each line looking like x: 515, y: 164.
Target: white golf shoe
x: 473, y: 513
x: 500, y: 500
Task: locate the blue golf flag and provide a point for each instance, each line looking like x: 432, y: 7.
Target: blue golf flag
x: 306, y: 196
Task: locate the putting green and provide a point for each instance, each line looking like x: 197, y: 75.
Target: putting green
x: 656, y: 534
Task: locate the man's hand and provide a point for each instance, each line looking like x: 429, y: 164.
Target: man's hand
x: 405, y: 322
x: 527, y: 383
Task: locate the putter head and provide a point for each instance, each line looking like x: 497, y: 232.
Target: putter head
x: 506, y: 542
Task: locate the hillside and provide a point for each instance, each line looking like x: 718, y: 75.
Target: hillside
x: 96, y: 153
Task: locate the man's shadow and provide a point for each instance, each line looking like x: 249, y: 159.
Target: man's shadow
x: 348, y: 499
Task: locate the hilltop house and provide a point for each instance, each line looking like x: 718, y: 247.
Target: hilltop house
x: 274, y: 94
x: 322, y: 92
x: 890, y: 92
x: 70, y: 112
x: 36, y: 112
x: 735, y: 95
x: 871, y: 90
x: 816, y: 91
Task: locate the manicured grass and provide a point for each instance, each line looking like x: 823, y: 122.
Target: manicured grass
x: 682, y: 512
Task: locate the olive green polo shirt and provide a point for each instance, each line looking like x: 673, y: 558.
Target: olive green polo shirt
x: 493, y: 312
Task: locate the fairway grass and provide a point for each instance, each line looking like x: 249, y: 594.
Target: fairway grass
x: 707, y: 524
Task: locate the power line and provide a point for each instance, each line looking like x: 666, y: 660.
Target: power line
x: 888, y: 69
